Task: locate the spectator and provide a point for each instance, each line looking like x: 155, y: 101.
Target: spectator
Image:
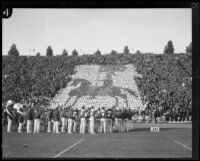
x: 35, y: 78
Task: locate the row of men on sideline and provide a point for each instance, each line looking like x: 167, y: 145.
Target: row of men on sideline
x: 70, y: 118
x: 100, y: 120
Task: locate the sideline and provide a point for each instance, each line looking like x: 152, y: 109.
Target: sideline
x: 68, y: 148
x: 185, y: 146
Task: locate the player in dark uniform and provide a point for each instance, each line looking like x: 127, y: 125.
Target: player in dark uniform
x: 133, y: 116
x: 147, y: 113
x: 70, y: 116
x: 97, y: 118
x: 56, y: 118
x: 130, y: 115
x: 109, y: 120
x: 103, y: 120
x: 49, y: 119
x: 182, y: 113
x: 156, y: 115
x: 122, y: 120
x: 128, y: 118
x: 118, y: 120
x: 175, y: 115
x: 75, y: 119
x: 4, y: 117
x: 63, y: 119
x: 125, y: 120
x: 30, y: 118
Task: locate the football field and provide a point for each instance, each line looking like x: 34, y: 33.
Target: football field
x: 141, y: 143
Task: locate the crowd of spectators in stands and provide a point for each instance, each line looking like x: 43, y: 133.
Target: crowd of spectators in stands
x: 166, y: 81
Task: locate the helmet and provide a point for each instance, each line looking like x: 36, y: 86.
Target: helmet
x: 10, y: 102
x: 18, y: 106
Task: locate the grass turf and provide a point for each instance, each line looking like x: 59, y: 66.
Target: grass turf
x: 140, y: 143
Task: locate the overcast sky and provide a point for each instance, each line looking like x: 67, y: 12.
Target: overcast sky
x: 87, y: 30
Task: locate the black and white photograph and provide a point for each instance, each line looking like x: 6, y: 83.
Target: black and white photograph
x: 97, y: 83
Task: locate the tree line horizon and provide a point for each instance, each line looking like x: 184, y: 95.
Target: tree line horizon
x: 168, y: 49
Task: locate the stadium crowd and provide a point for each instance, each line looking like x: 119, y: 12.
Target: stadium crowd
x: 34, y: 81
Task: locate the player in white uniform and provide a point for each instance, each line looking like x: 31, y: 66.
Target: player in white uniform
x: 83, y: 120
x: 10, y: 116
x: 56, y: 119
x: 63, y: 120
x: 103, y: 120
x: 109, y: 120
x: 70, y: 121
x: 21, y: 114
x: 92, y: 120
x: 37, y: 117
x: 75, y: 119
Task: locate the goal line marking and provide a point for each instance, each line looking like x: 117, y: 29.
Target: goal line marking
x: 67, y: 149
x: 185, y: 146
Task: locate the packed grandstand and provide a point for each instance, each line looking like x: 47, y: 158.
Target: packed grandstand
x: 140, y: 83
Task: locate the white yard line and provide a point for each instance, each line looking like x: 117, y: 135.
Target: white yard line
x: 68, y: 148
x: 185, y: 146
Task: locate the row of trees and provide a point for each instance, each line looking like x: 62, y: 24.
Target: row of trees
x: 169, y: 49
